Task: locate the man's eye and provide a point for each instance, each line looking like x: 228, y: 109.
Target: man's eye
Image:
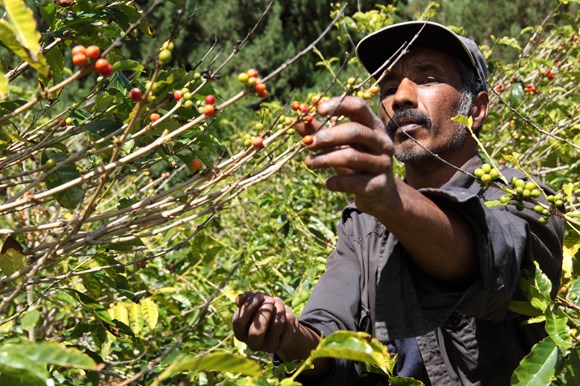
x: 387, y: 91
x: 430, y: 80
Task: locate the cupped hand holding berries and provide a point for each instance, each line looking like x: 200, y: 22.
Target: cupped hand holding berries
x: 357, y: 148
x: 265, y: 323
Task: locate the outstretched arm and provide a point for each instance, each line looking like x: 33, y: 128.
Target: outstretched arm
x: 439, y: 240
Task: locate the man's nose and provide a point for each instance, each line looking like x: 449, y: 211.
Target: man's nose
x: 406, y: 95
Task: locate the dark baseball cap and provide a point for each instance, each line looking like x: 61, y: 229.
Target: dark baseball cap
x: 377, y: 50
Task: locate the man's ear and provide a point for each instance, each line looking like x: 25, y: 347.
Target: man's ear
x: 479, y: 109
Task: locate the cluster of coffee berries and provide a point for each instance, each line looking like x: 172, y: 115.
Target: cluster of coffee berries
x: 209, y: 108
x: 283, y: 122
x: 556, y: 200
x: 499, y: 88
x: 81, y: 56
x: 304, y: 109
x: 548, y: 74
x: 257, y: 140
x: 251, y: 80
x: 65, y: 122
x: 165, y: 52
x: 525, y: 190
x: 364, y: 94
x: 486, y: 174
x: 530, y: 89
x: 186, y: 97
x: 542, y: 211
x: 528, y: 190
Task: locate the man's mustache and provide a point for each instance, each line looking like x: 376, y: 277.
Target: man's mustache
x: 404, y: 117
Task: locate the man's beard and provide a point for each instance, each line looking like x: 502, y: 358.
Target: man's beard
x: 416, y: 155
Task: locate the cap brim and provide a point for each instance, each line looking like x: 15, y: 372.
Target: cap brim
x: 377, y: 50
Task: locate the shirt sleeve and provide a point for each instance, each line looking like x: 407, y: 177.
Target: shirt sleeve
x: 411, y: 303
x: 335, y: 302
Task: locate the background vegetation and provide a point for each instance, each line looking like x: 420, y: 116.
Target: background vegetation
x: 121, y: 258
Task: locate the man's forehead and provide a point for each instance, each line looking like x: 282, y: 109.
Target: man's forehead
x: 425, y: 59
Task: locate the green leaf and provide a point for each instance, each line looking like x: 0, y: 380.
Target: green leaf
x: 94, y: 284
x: 12, y: 261
x: 72, y: 196
x: 29, y: 319
x: 492, y: 203
x: 214, y: 361
x: 569, y: 189
x: 136, y: 317
x: 119, y: 312
x: 536, y: 285
x: 92, y: 306
x: 507, y: 41
x: 524, y: 308
x: 3, y: 86
x: 355, y: 346
x: 463, y: 120
x: 127, y: 245
x: 403, y: 381
x: 289, y: 382
x: 150, y: 312
x: 557, y: 328
x: 128, y: 65
x: 52, y: 353
x: 17, y: 366
x: 103, y: 127
x: 539, y: 366
x: 542, y: 282
x: 19, y: 34
x: 572, y: 368
x: 55, y: 60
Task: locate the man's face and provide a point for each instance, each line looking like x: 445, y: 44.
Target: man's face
x: 420, y: 95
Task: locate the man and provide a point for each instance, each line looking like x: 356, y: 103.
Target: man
x: 421, y: 263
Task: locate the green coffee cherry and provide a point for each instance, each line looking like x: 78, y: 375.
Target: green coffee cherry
x: 486, y: 179
x: 519, y: 183
x: 486, y: 174
x: 50, y: 163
